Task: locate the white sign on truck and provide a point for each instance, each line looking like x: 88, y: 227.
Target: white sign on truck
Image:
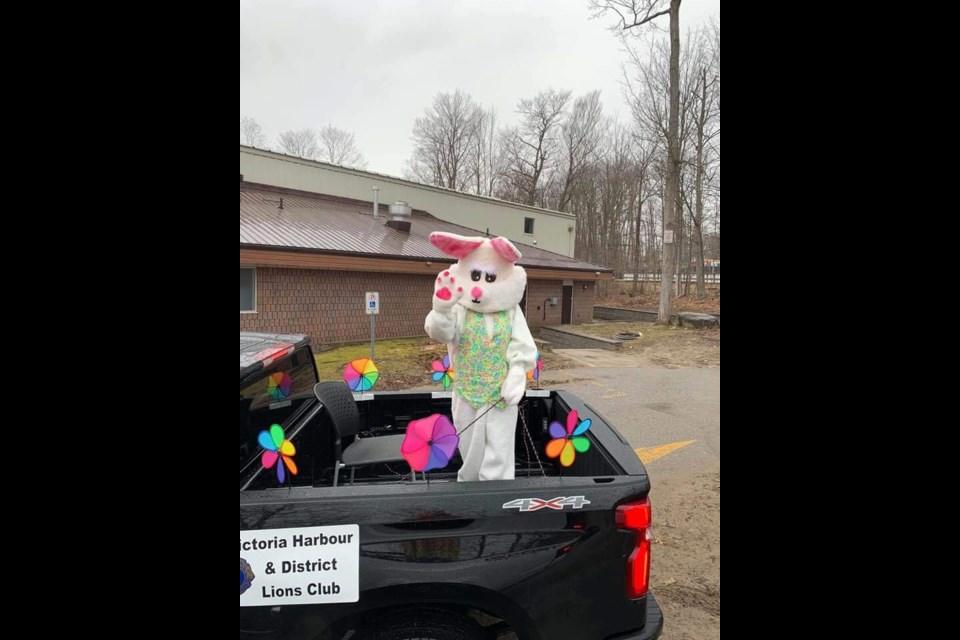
x: 313, y: 565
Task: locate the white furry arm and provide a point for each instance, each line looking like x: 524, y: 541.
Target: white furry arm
x: 442, y: 325
x: 522, y: 355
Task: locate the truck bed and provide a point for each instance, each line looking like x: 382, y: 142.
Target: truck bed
x: 542, y: 573
x: 388, y: 413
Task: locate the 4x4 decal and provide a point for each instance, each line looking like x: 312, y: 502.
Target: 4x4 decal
x: 526, y: 505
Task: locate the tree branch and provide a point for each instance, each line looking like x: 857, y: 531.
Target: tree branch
x: 647, y: 19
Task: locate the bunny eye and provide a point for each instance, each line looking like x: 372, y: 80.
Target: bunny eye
x: 491, y: 277
x: 475, y: 275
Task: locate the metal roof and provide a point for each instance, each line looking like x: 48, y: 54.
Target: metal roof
x: 417, y: 185
x: 328, y: 224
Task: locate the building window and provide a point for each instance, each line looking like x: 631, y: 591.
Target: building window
x: 248, y: 289
x: 528, y: 226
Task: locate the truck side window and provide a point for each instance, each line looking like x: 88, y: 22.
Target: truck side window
x: 272, y: 396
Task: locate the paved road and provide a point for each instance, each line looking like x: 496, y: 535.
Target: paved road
x: 653, y: 407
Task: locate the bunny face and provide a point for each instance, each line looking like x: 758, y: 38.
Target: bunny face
x: 486, y: 270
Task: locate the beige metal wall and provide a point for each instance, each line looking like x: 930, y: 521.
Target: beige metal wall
x: 553, y: 231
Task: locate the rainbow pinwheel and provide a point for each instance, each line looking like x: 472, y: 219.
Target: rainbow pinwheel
x: 278, y: 385
x: 443, y: 372
x: 276, y: 447
x: 534, y: 374
x: 361, y: 375
x: 570, y: 441
x: 429, y: 443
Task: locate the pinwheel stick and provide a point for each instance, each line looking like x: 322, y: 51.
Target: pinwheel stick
x: 426, y: 476
x: 491, y: 408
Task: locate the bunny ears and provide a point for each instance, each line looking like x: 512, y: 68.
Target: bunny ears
x: 462, y: 246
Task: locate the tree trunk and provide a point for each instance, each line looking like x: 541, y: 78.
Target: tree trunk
x: 636, y: 239
x: 681, y: 266
x: 673, y: 168
x: 701, y: 288
x: 698, y: 186
x: 680, y: 228
x: 686, y: 263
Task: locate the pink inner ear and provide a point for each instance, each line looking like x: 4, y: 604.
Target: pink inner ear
x: 455, y: 246
x: 506, y: 250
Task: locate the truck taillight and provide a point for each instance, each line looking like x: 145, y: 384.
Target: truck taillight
x: 637, y: 517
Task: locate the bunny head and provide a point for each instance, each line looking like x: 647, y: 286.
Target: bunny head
x: 486, y: 267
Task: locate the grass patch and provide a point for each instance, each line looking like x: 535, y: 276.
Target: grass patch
x: 404, y: 363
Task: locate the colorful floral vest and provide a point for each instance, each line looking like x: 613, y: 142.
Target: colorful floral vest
x: 481, y: 362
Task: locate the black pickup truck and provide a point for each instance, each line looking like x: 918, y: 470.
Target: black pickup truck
x: 353, y: 546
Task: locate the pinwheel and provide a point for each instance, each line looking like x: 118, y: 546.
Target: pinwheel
x: 567, y: 443
x: 429, y: 443
x: 277, y: 451
x: 361, y: 375
x: 443, y: 372
x: 278, y: 385
x: 534, y: 374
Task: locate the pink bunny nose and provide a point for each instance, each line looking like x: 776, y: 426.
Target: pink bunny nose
x: 476, y: 292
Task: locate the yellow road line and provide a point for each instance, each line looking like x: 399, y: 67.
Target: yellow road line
x: 649, y: 454
x: 613, y: 393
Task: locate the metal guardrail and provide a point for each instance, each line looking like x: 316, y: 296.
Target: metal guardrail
x: 710, y: 278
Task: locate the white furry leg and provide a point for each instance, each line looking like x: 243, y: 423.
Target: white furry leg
x: 499, y: 453
x: 487, y: 448
x: 472, y: 441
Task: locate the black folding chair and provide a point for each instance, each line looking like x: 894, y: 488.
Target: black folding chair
x: 342, y: 410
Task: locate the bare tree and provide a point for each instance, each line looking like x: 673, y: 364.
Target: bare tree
x: 339, y: 147
x: 443, y: 139
x: 251, y: 133
x: 617, y: 189
x: 533, y: 144
x: 633, y: 14
x: 581, y: 135
x: 487, y: 161
x: 603, y: 200
x: 302, y: 143
x: 644, y: 156
x: 705, y: 121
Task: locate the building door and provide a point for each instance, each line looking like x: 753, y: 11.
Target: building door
x: 523, y: 303
x: 566, y: 311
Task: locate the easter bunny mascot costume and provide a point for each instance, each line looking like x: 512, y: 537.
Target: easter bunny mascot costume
x: 476, y: 312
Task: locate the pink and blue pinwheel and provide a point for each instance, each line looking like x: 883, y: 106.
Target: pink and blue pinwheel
x: 429, y: 443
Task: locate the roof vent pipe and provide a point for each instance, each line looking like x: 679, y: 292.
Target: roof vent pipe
x: 400, y: 214
x: 400, y: 211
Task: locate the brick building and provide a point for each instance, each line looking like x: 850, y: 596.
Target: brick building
x: 307, y: 259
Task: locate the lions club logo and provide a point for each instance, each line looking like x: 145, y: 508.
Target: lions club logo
x: 246, y: 576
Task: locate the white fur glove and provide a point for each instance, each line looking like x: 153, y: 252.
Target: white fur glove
x: 447, y: 292
x: 514, y: 386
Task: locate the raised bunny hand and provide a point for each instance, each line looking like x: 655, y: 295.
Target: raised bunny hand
x: 447, y: 292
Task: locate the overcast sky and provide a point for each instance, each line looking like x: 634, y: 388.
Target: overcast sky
x: 371, y: 67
